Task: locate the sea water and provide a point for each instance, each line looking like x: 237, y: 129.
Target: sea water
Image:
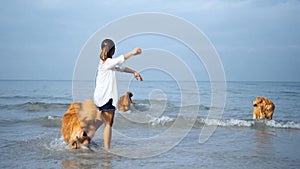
x: 160, y: 131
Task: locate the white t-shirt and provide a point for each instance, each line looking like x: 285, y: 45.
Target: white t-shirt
x: 106, y: 83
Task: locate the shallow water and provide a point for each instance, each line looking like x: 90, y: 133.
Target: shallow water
x: 147, y: 137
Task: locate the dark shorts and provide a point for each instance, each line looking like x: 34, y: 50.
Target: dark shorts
x: 108, y: 106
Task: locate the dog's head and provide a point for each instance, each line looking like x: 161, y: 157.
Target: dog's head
x: 81, y: 138
x: 257, y: 101
x: 128, y: 96
x: 84, y: 139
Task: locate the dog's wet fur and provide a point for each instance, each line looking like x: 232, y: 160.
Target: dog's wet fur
x: 125, y: 102
x: 263, y: 108
x: 79, y: 124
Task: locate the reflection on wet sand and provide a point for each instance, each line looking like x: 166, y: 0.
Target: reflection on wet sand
x: 92, y: 160
x: 263, y: 139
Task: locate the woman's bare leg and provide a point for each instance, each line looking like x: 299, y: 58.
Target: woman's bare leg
x: 93, y: 125
x: 98, y: 120
x: 109, y: 118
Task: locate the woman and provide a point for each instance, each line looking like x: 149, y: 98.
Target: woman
x: 106, y: 94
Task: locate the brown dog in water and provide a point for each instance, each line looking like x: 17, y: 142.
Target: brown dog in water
x: 125, y: 101
x: 80, y: 123
x: 263, y: 108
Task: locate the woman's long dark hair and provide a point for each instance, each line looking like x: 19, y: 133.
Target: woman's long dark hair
x: 108, y: 49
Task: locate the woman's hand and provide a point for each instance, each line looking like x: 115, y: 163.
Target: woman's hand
x: 138, y: 76
x: 137, y: 51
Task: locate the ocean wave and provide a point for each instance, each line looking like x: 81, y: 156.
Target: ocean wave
x: 226, y: 123
x: 16, y: 97
x: 167, y: 121
x: 53, y: 118
x: 36, y: 106
x: 290, y: 92
x: 48, y: 121
x: 160, y: 121
x: 27, y: 97
x: 283, y: 124
x: 57, y: 144
x: 201, y: 107
x: 249, y: 123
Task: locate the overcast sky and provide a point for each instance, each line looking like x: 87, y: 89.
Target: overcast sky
x: 256, y: 40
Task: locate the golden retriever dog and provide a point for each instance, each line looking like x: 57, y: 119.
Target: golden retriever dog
x: 125, y: 101
x: 80, y: 123
x: 263, y: 108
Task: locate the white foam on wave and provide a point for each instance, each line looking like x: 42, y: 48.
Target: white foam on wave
x: 160, y: 120
x: 282, y: 124
x: 57, y: 144
x: 141, y: 107
x: 228, y: 122
x: 52, y: 117
x: 250, y: 123
x: 237, y: 122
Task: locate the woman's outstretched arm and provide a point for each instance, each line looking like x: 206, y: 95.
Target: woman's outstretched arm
x: 136, y: 51
x: 135, y: 73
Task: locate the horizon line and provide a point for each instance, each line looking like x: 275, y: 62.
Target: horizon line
x: 151, y: 80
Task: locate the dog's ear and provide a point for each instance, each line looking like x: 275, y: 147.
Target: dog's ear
x: 129, y: 94
x: 257, y: 101
x: 260, y: 100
